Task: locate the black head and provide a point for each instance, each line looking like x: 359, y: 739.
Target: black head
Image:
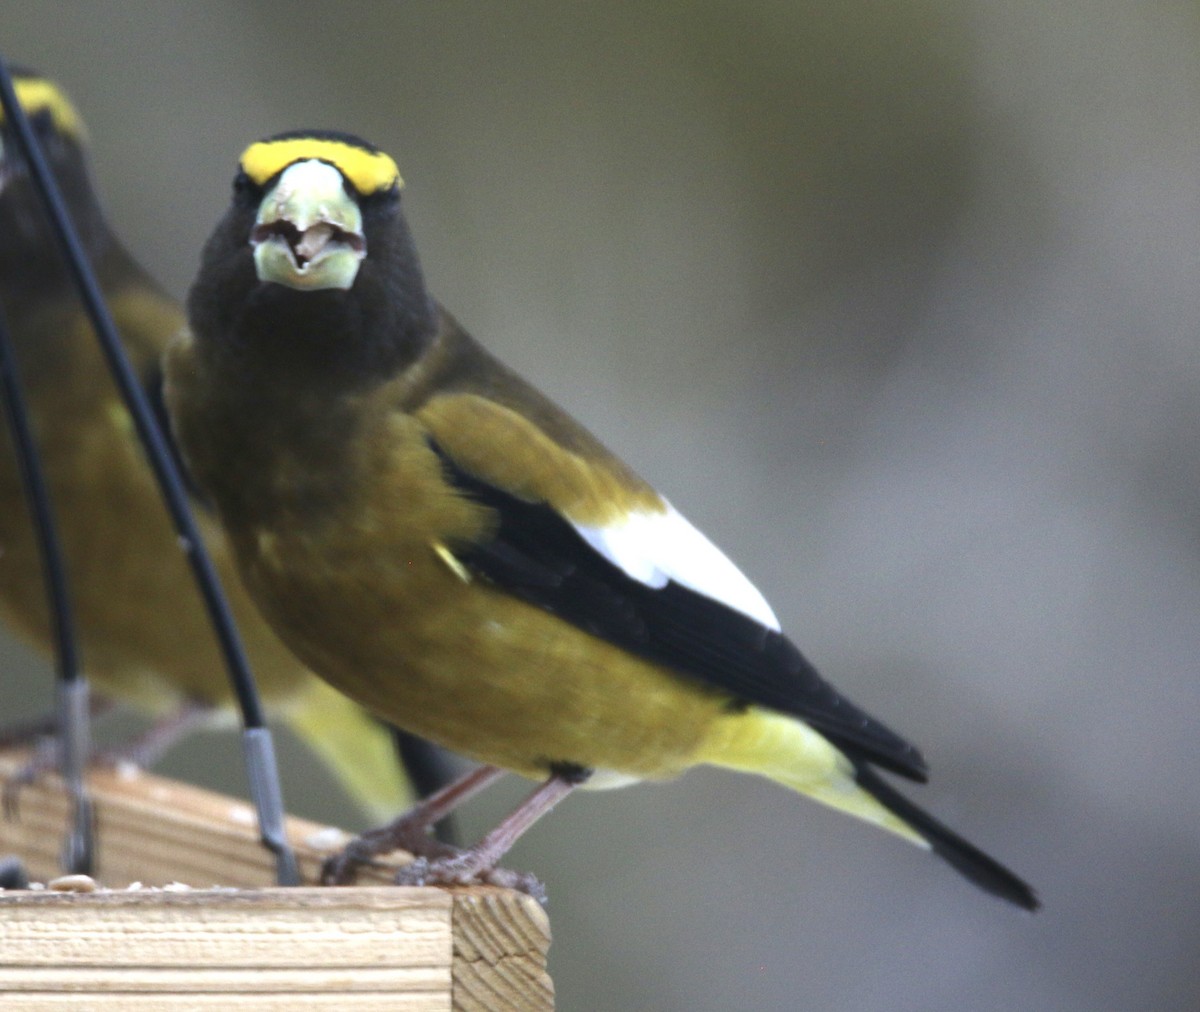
x: 313, y: 263
x: 28, y: 253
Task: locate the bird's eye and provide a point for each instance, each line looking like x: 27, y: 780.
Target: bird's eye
x: 245, y: 190
x: 42, y: 122
x: 382, y: 199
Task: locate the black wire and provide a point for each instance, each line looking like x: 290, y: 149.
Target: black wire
x: 152, y: 439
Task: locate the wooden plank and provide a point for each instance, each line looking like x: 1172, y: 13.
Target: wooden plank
x: 501, y: 938
x: 257, y: 948
x: 244, y: 945
x: 154, y: 830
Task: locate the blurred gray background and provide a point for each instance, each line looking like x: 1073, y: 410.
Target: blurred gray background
x: 899, y: 303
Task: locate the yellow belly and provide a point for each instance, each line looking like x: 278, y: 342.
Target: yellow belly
x: 474, y: 669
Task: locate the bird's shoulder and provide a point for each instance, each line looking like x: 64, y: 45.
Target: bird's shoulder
x: 147, y: 319
x: 553, y: 491
x: 493, y: 425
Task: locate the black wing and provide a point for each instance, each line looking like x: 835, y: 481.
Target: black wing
x: 537, y: 556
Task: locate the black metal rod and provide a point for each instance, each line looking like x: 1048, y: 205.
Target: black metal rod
x: 72, y: 695
x: 169, y: 481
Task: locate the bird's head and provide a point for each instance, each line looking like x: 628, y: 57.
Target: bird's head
x: 314, y: 251
x: 27, y: 246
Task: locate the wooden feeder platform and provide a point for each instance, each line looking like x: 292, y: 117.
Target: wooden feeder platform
x: 227, y: 937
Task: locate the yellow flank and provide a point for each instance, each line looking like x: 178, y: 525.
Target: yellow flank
x: 368, y: 171
x: 37, y: 95
x: 791, y: 753
x: 502, y: 447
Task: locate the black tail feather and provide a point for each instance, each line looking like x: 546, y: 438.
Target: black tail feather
x: 967, y: 859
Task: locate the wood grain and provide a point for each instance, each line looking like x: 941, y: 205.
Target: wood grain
x: 245, y: 944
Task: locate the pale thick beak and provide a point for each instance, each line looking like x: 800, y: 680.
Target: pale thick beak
x: 308, y: 234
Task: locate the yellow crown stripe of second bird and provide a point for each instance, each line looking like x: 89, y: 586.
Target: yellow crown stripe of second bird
x: 36, y: 95
x: 368, y: 171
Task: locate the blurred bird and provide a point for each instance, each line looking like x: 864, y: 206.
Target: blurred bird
x: 146, y: 639
x: 443, y: 543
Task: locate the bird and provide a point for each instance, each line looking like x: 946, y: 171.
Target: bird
x: 145, y: 636
x: 442, y: 542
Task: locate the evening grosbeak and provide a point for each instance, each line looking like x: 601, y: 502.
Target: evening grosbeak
x: 145, y: 635
x: 441, y: 542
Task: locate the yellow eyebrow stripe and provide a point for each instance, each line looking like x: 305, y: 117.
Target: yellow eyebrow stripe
x: 37, y: 94
x: 368, y: 171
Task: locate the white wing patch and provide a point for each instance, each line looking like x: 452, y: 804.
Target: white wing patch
x: 653, y: 548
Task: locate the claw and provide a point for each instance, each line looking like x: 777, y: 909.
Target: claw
x: 468, y: 868
x: 362, y: 852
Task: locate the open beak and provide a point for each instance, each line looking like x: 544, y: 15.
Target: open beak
x: 308, y: 234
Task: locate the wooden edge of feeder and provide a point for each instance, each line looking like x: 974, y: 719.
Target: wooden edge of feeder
x: 243, y: 943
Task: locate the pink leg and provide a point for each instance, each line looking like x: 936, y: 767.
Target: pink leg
x: 478, y: 863
x: 152, y: 744
x: 25, y: 732
x: 144, y: 750
x: 411, y: 830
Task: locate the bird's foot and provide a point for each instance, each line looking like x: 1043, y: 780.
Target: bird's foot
x: 410, y: 832
x: 411, y: 835
x: 479, y: 864
x: 141, y: 751
x: 468, y: 867
x: 434, y: 862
